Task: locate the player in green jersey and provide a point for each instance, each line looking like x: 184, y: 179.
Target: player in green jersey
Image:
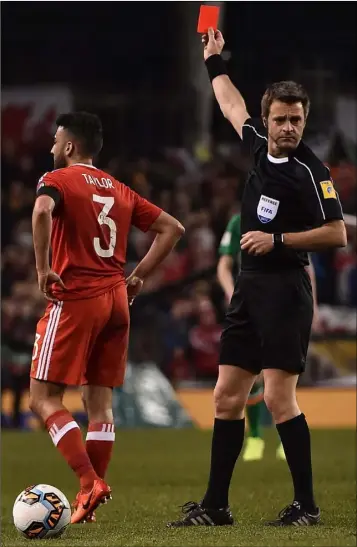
x: 227, y: 269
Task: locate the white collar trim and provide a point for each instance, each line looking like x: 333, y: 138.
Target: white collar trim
x: 84, y: 165
x: 277, y: 160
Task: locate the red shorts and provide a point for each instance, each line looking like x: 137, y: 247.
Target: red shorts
x: 83, y: 341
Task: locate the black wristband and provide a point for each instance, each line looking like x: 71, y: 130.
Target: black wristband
x: 215, y: 66
x: 278, y: 240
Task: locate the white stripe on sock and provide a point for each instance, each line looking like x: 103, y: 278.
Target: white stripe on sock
x: 100, y: 436
x: 61, y: 433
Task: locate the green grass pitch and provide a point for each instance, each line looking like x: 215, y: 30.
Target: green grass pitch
x: 155, y: 471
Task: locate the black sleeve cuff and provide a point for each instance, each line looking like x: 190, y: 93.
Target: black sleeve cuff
x: 50, y: 191
x: 215, y: 66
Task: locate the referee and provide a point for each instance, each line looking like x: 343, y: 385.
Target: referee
x: 289, y: 207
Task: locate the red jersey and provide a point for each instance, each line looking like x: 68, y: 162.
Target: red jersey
x: 91, y: 224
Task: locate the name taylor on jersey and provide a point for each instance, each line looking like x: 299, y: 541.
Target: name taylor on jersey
x: 101, y: 183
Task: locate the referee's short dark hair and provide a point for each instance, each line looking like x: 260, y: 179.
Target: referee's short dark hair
x: 287, y: 92
x: 86, y: 128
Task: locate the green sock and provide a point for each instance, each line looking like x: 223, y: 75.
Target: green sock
x: 254, y: 413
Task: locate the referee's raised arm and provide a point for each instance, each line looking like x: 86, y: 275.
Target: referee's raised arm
x: 228, y: 97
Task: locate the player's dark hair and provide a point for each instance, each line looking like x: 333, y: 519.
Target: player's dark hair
x: 86, y: 128
x: 287, y: 92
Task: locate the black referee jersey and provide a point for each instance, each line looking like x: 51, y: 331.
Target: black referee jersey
x: 283, y: 195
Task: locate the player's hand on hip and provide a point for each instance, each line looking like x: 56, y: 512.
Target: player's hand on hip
x: 133, y: 286
x: 45, y: 282
x: 257, y: 243
x: 213, y: 42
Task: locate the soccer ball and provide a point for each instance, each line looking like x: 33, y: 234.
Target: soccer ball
x: 41, y: 511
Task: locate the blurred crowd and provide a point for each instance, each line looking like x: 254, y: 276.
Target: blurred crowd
x: 177, y: 319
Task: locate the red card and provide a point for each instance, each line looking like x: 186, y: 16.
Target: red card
x: 208, y: 18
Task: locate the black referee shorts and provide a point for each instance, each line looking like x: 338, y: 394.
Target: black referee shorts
x: 268, y: 322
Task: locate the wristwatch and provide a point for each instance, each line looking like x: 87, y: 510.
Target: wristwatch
x: 278, y: 240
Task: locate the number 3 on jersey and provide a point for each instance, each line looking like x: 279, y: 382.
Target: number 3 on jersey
x: 103, y: 218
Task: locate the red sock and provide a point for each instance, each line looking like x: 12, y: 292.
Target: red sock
x: 67, y: 436
x: 99, y: 444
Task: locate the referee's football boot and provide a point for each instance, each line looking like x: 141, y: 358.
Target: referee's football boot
x: 197, y: 515
x: 295, y: 515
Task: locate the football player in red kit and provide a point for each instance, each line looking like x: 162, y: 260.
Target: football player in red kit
x: 84, y: 215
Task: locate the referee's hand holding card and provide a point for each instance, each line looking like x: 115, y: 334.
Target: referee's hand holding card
x: 213, y: 42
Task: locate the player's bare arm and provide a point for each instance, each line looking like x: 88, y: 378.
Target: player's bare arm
x: 228, y: 97
x: 224, y: 275
x: 169, y: 231
x: 41, y: 229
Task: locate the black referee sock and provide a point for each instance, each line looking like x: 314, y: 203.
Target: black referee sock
x: 295, y: 436
x: 227, y: 442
